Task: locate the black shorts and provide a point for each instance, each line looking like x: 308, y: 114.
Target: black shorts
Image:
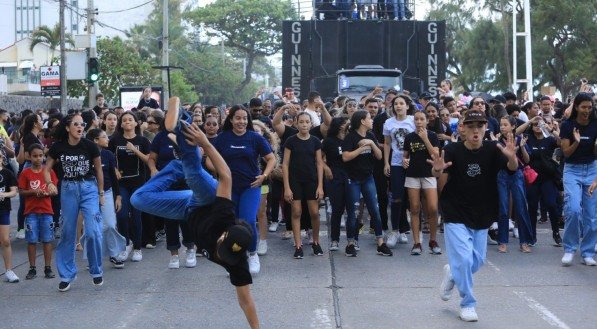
x: 303, y: 190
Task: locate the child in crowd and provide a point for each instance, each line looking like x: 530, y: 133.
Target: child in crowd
x: 38, y: 210
x: 8, y: 189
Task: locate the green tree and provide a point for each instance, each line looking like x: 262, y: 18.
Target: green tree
x: 120, y: 65
x: 50, y: 36
x: 253, y: 27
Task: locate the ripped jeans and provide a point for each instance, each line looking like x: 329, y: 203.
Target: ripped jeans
x: 79, y: 196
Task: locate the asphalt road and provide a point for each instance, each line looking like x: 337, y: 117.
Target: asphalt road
x: 514, y: 290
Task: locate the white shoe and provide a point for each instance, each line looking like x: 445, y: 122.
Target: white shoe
x: 447, y: 284
x: 468, y: 314
x: 262, y: 247
x: 273, y: 226
x: 124, y: 255
x: 137, y: 256
x: 11, y: 277
x: 334, y: 246
x: 510, y: 224
x: 515, y: 232
x: 392, y: 240
x: 494, y: 226
x: 589, y: 261
x: 403, y: 239
x: 254, y: 265
x: 20, y: 235
x: 343, y: 224
x: 150, y: 246
x: 567, y: 259
x: 191, y: 260
x: 174, y: 262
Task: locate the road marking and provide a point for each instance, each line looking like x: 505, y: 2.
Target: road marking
x: 321, y: 319
x: 543, y: 312
x: 493, y: 266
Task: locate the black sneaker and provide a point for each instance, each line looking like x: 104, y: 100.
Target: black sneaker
x: 557, y: 239
x: 350, y: 251
x: 98, y: 281
x: 48, y: 273
x: 117, y: 263
x: 63, y: 286
x: 298, y: 253
x: 383, y: 250
x: 317, y: 250
x: 31, y: 274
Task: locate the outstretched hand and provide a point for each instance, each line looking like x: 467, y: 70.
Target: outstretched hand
x: 438, y: 162
x: 510, y: 149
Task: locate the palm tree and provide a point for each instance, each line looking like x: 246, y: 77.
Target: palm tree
x: 50, y: 36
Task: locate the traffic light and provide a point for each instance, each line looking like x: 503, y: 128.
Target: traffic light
x: 92, y: 70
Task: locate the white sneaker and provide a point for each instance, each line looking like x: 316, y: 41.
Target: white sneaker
x: 403, y: 239
x: 334, y: 246
x: 191, y: 260
x: 494, y: 226
x: 515, y: 232
x: 150, y: 246
x: 11, y: 276
x: 567, y: 259
x: 273, y: 226
x: 20, y: 235
x: 468, y: 314
x: 392, y: 240
x: 124, y: 255
x: 174, y: 262
x: 254, y: 265
x: 262, y: 247
x: 447, y: 284
x: 137, y: 256
x: 589, y: 261
x: 510, y: 224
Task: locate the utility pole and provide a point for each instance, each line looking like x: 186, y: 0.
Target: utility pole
x: 528, y: 81
x: 165, y: 53
x: 63, y: 90
x: 92, y: 53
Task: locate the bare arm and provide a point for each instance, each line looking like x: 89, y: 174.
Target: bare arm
x: 320, y: 165
x: 286, y: 175
x: 277, y: 123
x: 11, y: 193
x: 246, y: 303
x: 151, y: 161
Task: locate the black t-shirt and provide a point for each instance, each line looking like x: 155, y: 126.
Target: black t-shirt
x: 132, y: 168
x: 7, y: 180
x: 152, y: 103
x: 303, y: 165
x: 585, y: 152
x: 108, y: 166
x: 361, y: 166
x: 291, y: 131
x: 75, y: 161
x: 30, y: 139
x: 418, y: 154
x: 378, y: 122
x: 470, y: 196
x: 332, y: 148
x: 208, y: 223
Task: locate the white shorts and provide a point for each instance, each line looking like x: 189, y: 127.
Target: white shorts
x: 420, y: 182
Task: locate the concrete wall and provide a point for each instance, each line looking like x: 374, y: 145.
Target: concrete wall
x: 17, y: 103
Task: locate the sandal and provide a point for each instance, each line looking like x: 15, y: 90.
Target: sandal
x: 525, y: 248
x: 502, y: 248
x: 79, y: 247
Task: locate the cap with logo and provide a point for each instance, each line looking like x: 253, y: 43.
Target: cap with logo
x: 474, y: 116
x: 234, y: 246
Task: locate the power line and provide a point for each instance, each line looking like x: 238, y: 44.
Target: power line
x: 127, y: 9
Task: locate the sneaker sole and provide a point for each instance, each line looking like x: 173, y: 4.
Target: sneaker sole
x: 382, y: 254
x: 64, y: 289
x: 98, y: 284
x: 118, y: 266
x: 171, y: 119
x: 350, y: 255
x: 468, y: 320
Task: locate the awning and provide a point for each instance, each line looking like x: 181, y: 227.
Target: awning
x: 26, y: 65
x: 8, y: 64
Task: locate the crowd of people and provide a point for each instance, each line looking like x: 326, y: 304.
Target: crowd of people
x: 391, y: 152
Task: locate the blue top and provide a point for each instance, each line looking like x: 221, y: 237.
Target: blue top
x: 242, y: 154
x: 585, y: 152
x: 164, y: 148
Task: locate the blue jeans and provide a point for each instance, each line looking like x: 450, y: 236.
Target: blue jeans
x: 247, y: 204
x: 580, y: 208
x: 365, y: 187
x: 113, y: 242
x: 467, y: 250
x: 513, y: 184
x: 80, y: 196
x: 337, y: 191
x: 399, y: 11
x: 154, y: 198
x: 129, y: 214
x: 39, y: 228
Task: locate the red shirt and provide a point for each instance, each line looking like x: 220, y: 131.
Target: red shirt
x: 30, y: 180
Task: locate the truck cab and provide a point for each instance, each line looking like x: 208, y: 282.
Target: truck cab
x: 360, y: 81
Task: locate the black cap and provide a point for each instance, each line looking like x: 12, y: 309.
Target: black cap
x: 425, y: 95
x: 234, y: 246
x: 498, y: 99
x: 474, y: 116
x: 255, y: 102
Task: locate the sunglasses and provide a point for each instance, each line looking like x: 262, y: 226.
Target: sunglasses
x: 79, y: 124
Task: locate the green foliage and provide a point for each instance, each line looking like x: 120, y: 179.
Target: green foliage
x: 253, y: 27
x: 50, y: 36
x: 181, y: 88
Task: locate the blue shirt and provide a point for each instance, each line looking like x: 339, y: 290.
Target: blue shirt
x: 242, y: 154
x: 585, y: 152
x: 164, y: 148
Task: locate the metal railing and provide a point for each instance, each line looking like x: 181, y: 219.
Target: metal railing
x: 355, y: 9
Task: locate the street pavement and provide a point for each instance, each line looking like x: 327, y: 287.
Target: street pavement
x: 514, y: 290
